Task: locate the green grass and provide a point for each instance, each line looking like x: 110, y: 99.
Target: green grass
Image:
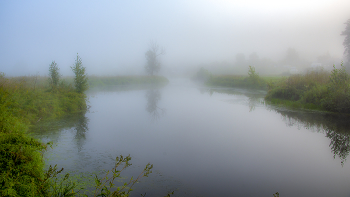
x: 23, y: 102
x: 236, y: 81
x: 317, y: 90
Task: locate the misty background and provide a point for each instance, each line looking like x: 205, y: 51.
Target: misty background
x: 225, y: 36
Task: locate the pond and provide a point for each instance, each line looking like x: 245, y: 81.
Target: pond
x: 205, y: 142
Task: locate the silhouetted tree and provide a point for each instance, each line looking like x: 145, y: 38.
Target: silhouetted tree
x: 346, y: 42
x: 153, y: 65
x: 80, y: 79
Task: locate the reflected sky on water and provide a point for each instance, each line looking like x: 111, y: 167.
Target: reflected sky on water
x: 206, y: 142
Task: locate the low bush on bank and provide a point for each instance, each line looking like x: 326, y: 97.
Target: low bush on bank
x: 253, y: 80
x: 320, y: 89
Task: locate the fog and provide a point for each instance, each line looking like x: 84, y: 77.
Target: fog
x: 112, y: 37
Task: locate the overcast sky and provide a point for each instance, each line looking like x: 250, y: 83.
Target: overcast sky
x: 112, y: 37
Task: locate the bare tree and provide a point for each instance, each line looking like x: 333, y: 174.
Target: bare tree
x: 153, y: 64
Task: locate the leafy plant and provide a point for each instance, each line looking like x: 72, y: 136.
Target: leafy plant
x: 105, y: 185
x: 338, y: 91
x: 80, y: 79
x: 54, y: 76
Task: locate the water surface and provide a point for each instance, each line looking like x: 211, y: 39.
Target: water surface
x: 206, y: 142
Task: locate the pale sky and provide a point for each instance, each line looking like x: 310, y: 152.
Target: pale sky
x: 112, y: 37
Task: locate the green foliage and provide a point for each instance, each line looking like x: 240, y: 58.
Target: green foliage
x: 276, y: 194
x: 338, y: 92
x: 316, y: 90
x: 80, y: 79
x: 54, y: 76
x: 253, y: 76
x: 105, y: 186
x: 24, y: 101
x: 252, y: 81
x: 21, y: 160
x: 58, y: 187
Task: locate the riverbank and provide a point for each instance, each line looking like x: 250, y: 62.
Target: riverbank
x: 251, y: 81
x: 25, y: 101
x: 316, y: 90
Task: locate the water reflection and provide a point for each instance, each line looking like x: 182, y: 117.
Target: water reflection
x: 251, y: 97
x: 153, y: 97
x: 335, y: 126
x: 51, y: 130
x: 81, y: 126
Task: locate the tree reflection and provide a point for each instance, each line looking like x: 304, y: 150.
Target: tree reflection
x: 336, y: 127
x: 153, y: 97
x: 255, y: 98
x: 81, y: 126
x: 51, y: 130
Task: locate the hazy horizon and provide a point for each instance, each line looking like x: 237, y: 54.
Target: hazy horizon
x: 112, y: 37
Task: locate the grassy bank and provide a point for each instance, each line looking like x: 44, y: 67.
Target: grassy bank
x: 23, y: 102
x: 318, y: 90
x: 102, y: 81
x: 237, y: 81
x: 251, y: 81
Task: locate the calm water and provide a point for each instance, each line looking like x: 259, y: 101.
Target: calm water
x: 205, y: 142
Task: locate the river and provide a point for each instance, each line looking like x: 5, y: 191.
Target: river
x: 205, y: 142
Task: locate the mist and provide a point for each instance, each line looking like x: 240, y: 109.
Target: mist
x: 112, y: 37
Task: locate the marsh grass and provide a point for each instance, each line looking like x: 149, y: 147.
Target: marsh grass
x: 317, y: 90
x: 237, y: 81
x: 23, y: 102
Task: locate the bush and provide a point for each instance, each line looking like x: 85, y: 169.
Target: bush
x: 23, y: 102
x: 80, y: 79
x: 54, y: 76
x: 327, y: 91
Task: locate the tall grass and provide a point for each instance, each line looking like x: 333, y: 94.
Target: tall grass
x: 23, y: 102
x: 320, y: 89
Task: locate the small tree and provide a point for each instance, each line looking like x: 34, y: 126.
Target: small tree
x: 253, y: 76
x: 80, y: 79
x: 54, y: 76
x: 153, y: 65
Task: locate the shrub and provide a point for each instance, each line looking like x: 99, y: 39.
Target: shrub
x: 80, y: 79
x: 338, y: 92
x: 54, y: 76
